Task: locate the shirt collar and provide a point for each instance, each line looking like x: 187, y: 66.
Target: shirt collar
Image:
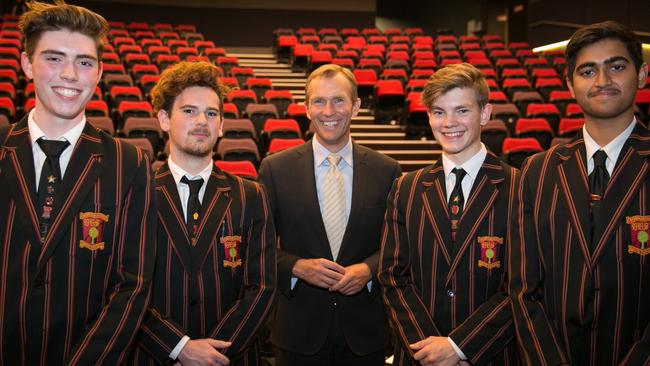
x: 613, y: 148
x: 321, y: 152
x: 471, y: 166
x: 72, y: 135
x: 178, y: 172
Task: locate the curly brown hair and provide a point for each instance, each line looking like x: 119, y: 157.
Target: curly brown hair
x: 181, y: 76
x: 42, y: 17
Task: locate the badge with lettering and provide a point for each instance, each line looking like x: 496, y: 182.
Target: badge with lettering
x: 489, y: 251
x: 93, y: 230
x: 231, y: 247
x: 639, y: 226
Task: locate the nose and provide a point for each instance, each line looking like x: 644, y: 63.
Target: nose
x: 603, y: 78
x: 329, y: 108
x: 69, y: 72
x: 201, y: 118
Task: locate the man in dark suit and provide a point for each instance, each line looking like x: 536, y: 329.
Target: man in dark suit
x: 328, y: 199
x: 77, y: 232
x: 215, y: 268
x: 580, y: 268
x: 442, y: 265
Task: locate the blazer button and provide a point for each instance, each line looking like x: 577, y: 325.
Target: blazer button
x: 450, y: 293
x: 194, y: 302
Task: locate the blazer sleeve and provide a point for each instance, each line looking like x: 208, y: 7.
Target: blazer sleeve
x: 536, y: 336
x: 490, y: 327
x: 286, y: 260
x: 114, y: 328
x: 243, y: 320
x: 159, y: 335
x: 407, y: 312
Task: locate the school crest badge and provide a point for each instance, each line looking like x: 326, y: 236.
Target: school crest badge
x: 639, y: 227
x: 232, y: 249
x: 92, y: 230
x: 489, y: 251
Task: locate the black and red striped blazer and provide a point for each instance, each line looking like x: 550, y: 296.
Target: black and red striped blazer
x: 222, y: 287
x: 434, y: 287
x: 79, y: 297
x: 574, y: 304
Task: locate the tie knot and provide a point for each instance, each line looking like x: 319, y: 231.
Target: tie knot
x: 460, y: 174
x: 334, y: 159
x: 52, y: 148
x: 194, y: 184
x: 599, y: 158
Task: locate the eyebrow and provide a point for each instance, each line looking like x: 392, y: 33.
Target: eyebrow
x: 608, y: 61
x: 59, y: 53
x: 195, y: 107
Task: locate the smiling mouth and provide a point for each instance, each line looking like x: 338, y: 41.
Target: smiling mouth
x: 67, y: 92
x: 453, y: 134
x: 330, y: 123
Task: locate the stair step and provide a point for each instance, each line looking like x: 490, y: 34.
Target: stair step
x: 365, y: 127
x: 399, y: 144
x: 412, y: 154
x: 378, y: 135
x: 253, y: 55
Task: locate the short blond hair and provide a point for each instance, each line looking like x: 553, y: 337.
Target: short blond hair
x: 183, y: 75
x: 456, y: 76
x: 330, y: 71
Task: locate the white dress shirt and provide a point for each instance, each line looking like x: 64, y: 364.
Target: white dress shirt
x: 345, y: 167
x: 612, y: 149
x: 35, y: 133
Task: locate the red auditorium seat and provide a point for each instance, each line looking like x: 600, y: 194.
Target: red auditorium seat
x: 97, y: 108
x: 229, y: 81
x: 546, y: 85
x: 185, y: 52
x: 388, y: 100
x: 145, y: 127
x: 422, y: 73
x: 366, y: 81
x: 518, y: 45
x: 493, y: 133
x: 121, y: 93
x: 417, y: 120
x: 242, y: 74
x: 244, y: 169
x: 103, y: 123
x: 515, y: 73
x: 113, y: 69
x: 573, y: 110
x: 213, y: 52
x: 498, y: 97
x: 643, y: 101
x: 545, y: 72
x: 164, y: 61
x: 349, y: 54
x: 548, y: 111
x: 283, y: 47
x: 395, y: 74
x: 30, y: 103
x: 523, y: 98
x: 299, y: 113
x: 279, y: 129
x: 156, y: 50
x: 147, y: 82
x: 535, y: 62
x: 416, y: 85
x: 226, y: 63
x: 300, y: 56
x: 128, y: 109
x: 570, y: 126
x: 259, y: 86
x: 492, y: 84
x: 259, y: 113
x: 7, y: 90
x: 370, y: 63
x: 515, y: 150
x: 510, y: 86
x: 110, y: 58
x: 140, y: 142
x: 7, y: 108
x: 319, y: 58
x: 242, y: 98
x: 508, y: 113
x: 537, y: 128
x: 238, y: 129
x: 132, y: 59
x: 139, y: 70
x: 561, y: 98
x: 280, y: 98
x: 450, y: 61
x: 468, y: 39
x: 238, y: 150
x: 230, y: 111
x: 278, y: 145
x: 174, y: 44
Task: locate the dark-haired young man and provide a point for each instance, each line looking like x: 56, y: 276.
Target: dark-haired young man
x: 579, y: 271
x: 215, y: 265
x: 76, y: 208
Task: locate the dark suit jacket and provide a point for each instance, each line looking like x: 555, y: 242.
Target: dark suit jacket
x: 204, y: 291
x: 573, y: 304
x: 61, y: 301
x: 303, y: 315
x: 434, y: 287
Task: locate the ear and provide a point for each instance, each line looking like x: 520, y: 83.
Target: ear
x: 163, y: 119
x: 570, y: 86
x: 356, y: 107
x: 307, y: 110
x: 486, y: 114
x: 26, y: 65
x: 220, y: 131
x: 643, y: 75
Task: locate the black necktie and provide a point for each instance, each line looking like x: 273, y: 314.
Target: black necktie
x: 456, y: 201
x: 598, y: 180
x: 193, y: 206
x: 49, y: 181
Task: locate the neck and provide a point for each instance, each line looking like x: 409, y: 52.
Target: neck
x: 604, y: 130
x: 54, y: 127
x: 190, y: 163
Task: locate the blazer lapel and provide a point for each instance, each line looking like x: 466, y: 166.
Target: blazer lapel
x: 572, y: 174
x: 434, y: 199
x: 306, y: 184
x: 215, y: 206
x: 482, y: 197
x: 79, y: 178
x: 629, y: 173
x: 359, y: 181
x: 20, y: 173
x: 170, y: 214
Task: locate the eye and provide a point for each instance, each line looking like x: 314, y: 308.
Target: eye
x: 188, y: 111
x: 463, y: 111
x: 212, y: 114
x: 587, y: 72
x: 618, y: 67
x: 437, y: 113
x: 339, y: 100
x: 87, y: 63
x: 318, y: 101
x: 53, y: 58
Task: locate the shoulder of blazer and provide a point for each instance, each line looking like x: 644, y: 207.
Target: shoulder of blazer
x: 289, y: 154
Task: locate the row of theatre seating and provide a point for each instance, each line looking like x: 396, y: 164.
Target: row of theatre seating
x: 528, y: 90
